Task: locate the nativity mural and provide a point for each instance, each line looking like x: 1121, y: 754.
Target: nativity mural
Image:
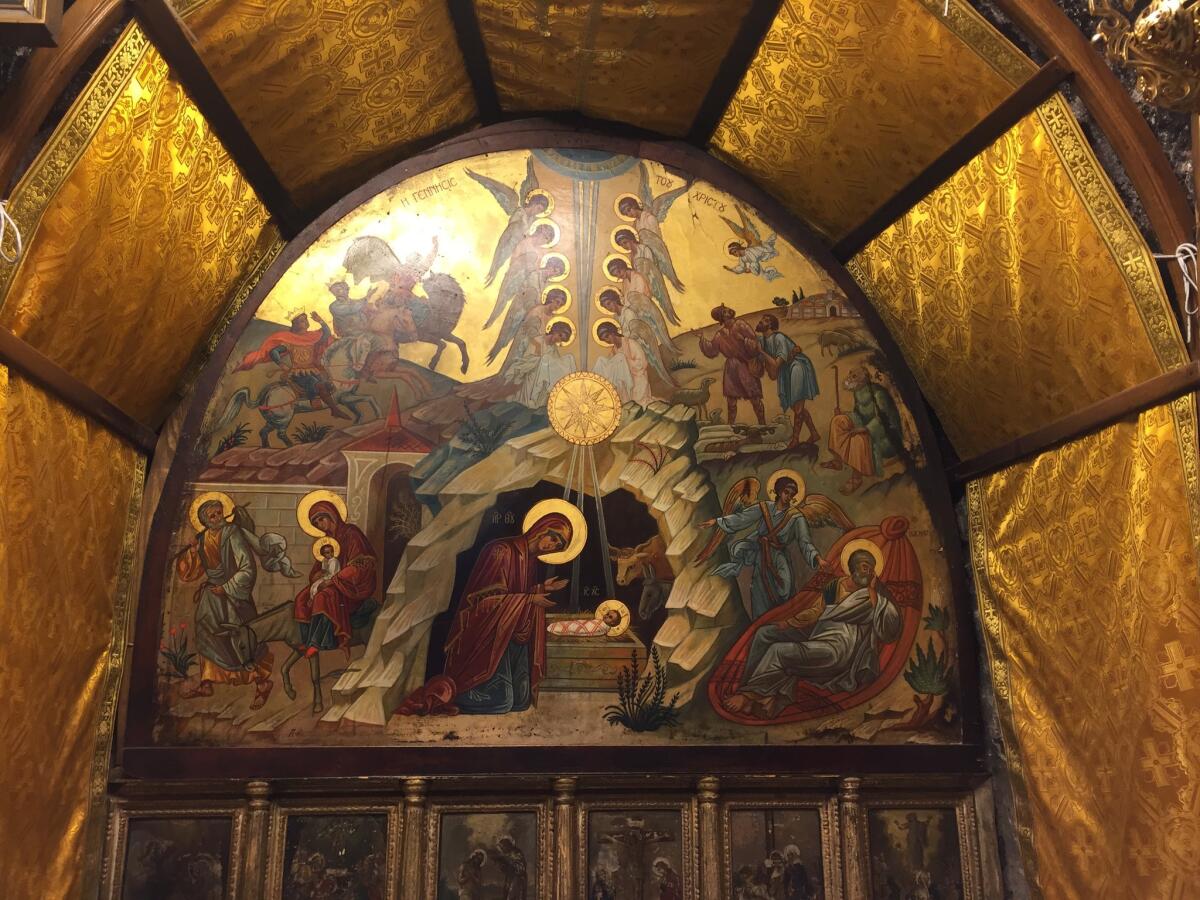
x: 555, y: 447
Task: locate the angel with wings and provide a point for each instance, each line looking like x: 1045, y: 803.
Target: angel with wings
x: 786, y: 521
x: 635, y: 302
x: 646, y: 267
x: 637, y: 337
x: 522, y: 206
x: 750, y: 250
x: 529, y: 274
x: 647, y: 213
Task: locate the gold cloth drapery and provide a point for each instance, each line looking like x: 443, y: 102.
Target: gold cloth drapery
x: 846, y: 102
x: 648, y: 64
x: 1024, y: 270
x: 69, y: 492
x: 1086, y: 564
x: 138, y: 229
x: 331, y: 90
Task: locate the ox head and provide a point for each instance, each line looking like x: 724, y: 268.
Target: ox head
x: 629, y: 564
x: 242, y: 641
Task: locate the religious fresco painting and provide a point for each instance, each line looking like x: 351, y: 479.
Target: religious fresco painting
x: 484, y: 854
x: 555, y: 448
x: 335, y: 856
x: 775, y: 854
x: 639, y: 854
x: 914, y: 853
x: 177, y: 859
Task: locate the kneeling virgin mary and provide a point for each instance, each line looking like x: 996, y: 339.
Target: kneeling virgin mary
x: 496, y: 649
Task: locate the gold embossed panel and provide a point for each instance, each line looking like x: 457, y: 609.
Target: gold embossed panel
x: 649, y: 64
x: 847, y: 102
x: 139, y: 227
x: 1086, y: 561
x: 330, y: 90
x: 67, y: 488
x: 1020, y: 290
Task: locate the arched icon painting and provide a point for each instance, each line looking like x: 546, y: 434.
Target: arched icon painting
x: 555, y: 448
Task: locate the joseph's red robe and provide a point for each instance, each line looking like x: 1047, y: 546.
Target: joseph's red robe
x: 496, y: 609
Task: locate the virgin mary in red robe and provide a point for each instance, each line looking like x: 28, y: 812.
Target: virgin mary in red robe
x: 496, y: 649
x: 324, y: 614
x: 900, y: 574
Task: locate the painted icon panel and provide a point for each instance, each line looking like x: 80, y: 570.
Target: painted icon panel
x: 914, y: 853
x: 552, y: 447
x: 335, y: 856
x: 177, y: 858
x: 637, y: 852
x: 489, y: 853
x: 775, y: 852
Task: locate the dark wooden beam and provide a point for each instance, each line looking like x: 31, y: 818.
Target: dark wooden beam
x: 168, y: 35
x: 1020, y: 103
x: 474, y: 52
x: 733, y: 68
x: 47, y: 374
x: 27, y: 102
x: 1127, y: 404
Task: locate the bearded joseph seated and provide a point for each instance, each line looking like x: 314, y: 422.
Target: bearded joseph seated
x: 837, y: 643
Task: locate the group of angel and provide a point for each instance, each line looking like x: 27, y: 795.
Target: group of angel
x: 636, y: 307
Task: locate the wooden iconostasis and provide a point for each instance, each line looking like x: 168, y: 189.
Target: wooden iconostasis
x: 749, y: 838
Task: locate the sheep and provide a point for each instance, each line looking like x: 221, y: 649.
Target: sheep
x: 696, y: 398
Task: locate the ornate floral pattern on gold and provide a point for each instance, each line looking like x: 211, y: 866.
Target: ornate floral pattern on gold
x: 138, y: 228
x: 1086, y: 562
x: 846, y: 102
x: 331, y: 90
x: 70, y: 490
x: 1024, y: 269
x: 649, y: 64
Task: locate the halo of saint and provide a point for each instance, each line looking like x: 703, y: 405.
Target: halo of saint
x: 306, y: 504
x: 578, y: 528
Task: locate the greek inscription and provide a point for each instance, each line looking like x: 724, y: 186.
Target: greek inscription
x: 709, y: 200
x: 440, y: 187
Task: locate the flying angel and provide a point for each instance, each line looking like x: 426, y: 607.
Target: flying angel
x: 647, y: 214
x: 750, y: 250
x: 789, y: 519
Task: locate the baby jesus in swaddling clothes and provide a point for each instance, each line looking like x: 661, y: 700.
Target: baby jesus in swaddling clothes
x: 325, y: 550
x: 611, y: 619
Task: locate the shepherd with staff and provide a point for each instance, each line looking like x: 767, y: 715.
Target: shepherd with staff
x: 862, y: 439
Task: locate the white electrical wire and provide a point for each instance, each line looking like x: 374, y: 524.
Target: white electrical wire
x: 1185, y: 258
x: 7, y: 222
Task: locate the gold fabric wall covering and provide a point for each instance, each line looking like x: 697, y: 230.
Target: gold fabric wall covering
x: 847, y: 102
x: 70, y: 495
x: 1086, y: 563
x: 331, y: 90
x: 648, y: 64
x: 1025, y: 273
x: 138, y: 228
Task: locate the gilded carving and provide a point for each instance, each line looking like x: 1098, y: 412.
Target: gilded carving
x: 1059, y: 279
x: 332, y: 89
x: 1159, y: 45
x: 1095, y: 695
x: 138, y: 225
x: 830, y: 79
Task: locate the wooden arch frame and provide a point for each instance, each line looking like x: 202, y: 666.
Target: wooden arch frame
x: 137, y: 754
